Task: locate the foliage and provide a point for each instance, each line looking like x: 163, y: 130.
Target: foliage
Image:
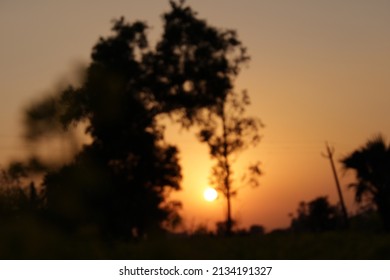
x: 16, y: 200
x: 227, y: 133
x: 316, y: 216
x: 194, y: 65
x: 366, y: 220
x: 371, y: 164
x: 121, y: 180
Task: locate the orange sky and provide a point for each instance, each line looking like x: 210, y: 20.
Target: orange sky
x: 319, y: 71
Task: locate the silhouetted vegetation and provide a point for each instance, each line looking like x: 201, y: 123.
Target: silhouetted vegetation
x: 316, y: 216
x: 111, y: 199
x: 227, y: 133
x: 120, y: 182
x: 16, y: 202
x: 371, y: 164
x: 366, y: 220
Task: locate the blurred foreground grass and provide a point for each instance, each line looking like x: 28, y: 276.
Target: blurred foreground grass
x: 28, y: 241
x: 336, y: 245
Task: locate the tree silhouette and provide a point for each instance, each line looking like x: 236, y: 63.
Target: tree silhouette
x: 227, y: 133
x: 16, y: 200
x: 121, y: 180
x: 194, y: 66
x: 372, y: 166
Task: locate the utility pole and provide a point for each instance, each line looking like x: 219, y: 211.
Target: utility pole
x: 329, y: 155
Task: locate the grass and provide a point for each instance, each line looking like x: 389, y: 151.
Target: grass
x: 40, y: 243
x: 334, y: 245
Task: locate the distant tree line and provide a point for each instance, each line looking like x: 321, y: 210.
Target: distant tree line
x: 371, y: 164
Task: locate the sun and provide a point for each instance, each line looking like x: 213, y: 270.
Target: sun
x: 210, y: 194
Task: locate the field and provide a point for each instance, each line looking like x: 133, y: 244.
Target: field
x: 287, y: 246
x: 331, y: 245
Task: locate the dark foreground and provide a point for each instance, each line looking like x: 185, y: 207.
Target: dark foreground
x: 331, y: 245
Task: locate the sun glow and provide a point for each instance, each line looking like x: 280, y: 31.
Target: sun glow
x: 210, y: 194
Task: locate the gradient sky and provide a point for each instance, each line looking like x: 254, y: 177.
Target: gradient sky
x: 320, y: 70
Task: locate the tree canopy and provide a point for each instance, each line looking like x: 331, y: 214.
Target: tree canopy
x: 120, y: 181
x: 371, y: 164
x: 227, y: 133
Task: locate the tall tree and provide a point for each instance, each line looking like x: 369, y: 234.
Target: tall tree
x: 371, y: 164
x: 194, y: 65
x: 120, y: 180
x: 227, y: 133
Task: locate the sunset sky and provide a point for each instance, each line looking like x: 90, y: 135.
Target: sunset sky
x: 319, y: 71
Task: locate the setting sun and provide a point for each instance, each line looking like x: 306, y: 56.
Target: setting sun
x: 210, y: 194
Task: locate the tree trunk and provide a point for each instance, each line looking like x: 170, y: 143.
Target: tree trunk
x: 229, y: 221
